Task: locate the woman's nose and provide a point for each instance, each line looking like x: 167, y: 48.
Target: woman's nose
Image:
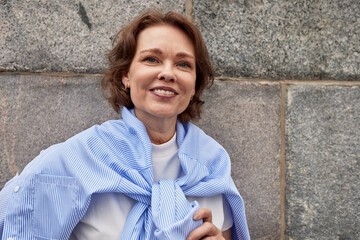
x: 167, y: 73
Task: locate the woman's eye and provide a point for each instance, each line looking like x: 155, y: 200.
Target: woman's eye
x: 184, y: 65
x: 150, y: 59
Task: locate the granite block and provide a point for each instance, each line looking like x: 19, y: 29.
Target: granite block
x: 65, y: 36
x: 282, y: 39
x: 323, y: 162
x: 38, y: 111
x: 245, y: 118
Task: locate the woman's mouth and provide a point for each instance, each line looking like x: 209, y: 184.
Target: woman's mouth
x: 163, y: 92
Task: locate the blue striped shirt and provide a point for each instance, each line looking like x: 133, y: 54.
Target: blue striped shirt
x: 53, y: 192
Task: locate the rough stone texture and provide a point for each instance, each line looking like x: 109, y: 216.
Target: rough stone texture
x: 282, y: 39
x: 38, y: 111
x: 244, y: 118
x: 323, y: 162
x: 64, y: 36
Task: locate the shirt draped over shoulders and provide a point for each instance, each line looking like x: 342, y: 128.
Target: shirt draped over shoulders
x: 54, y: 191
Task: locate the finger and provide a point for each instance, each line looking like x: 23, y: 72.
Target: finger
x: 204, y: 214
x: 206, y: 230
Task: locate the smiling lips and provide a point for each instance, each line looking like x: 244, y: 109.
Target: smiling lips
x: 165, y: 91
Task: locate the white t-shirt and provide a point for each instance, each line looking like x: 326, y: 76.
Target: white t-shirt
x: 107, y: 213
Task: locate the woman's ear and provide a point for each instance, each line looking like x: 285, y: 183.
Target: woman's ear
x: 125, y: 81
x: 193, y: 93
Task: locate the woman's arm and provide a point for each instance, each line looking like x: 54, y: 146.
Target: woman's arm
x: 208, y: 229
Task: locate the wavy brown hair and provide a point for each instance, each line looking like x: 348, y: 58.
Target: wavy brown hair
x: 121, y: 56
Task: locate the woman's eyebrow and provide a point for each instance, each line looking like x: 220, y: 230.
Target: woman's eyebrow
x: 152, y: 50
x: 158, y: 51
x: 184, y: 55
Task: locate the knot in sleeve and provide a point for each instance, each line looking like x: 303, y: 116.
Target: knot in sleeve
x: 171, y: 212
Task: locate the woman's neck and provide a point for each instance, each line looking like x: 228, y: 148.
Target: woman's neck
x: 159, y: 130
x: 160, y: 136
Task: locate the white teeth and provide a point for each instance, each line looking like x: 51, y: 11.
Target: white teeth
x: 164, y: 92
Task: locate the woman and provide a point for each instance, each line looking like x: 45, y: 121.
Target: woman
x: 151, y: 175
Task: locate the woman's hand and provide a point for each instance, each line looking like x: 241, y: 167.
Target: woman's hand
x: 207, y: 230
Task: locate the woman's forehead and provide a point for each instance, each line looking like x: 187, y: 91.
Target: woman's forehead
x: 165, y: 37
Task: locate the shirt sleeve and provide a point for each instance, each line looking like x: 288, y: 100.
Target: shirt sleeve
x: 228, y: 219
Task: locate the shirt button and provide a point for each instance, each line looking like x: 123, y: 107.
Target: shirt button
x: 16, y: 189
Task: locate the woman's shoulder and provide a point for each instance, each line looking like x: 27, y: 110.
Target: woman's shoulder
x: 202, y: 146
x: 196, y: 135
x: 77, y: 147
x: 111, y: 129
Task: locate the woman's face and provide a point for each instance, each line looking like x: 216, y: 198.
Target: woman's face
x: 162, y: 73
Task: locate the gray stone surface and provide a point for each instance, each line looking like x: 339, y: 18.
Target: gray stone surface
x: 62, y: 36
x: 244, y: 118
x: 282, y: 39
x: 38, y: 111
x: 323, y: 162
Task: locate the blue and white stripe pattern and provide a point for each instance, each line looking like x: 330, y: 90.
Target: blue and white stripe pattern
x: 53, y: 192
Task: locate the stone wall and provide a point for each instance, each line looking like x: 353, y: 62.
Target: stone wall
x: 285, y: 103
